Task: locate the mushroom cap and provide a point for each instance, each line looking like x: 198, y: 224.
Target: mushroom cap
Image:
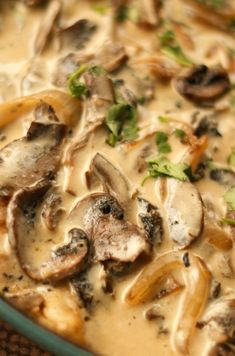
x: 112, y: 179
x: 184, y: 211
x: 113, y: 238
x: 31, y: 158
x: 31, y: 240
x: 202, y: 84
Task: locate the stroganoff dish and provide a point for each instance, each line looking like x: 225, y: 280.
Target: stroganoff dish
x: 117, y: 172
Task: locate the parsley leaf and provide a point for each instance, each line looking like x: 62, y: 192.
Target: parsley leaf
x: 97, y: 70
x: 100, y: 8
x: 180, y: 133
x: 163, y: 119
x: 229, y: 198
x: 231, y: 157
x: 171, y: 48
x: 228, y: 221
x: 76, y: 87
x: 161, y: 142
x: 160, y: 166
x: 121, y: 121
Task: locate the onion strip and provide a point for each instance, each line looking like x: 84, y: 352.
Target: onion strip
x: 67, y: 108
x: 197, y: 281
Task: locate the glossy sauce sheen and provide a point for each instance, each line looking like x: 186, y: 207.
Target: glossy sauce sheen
x: 114, y: 328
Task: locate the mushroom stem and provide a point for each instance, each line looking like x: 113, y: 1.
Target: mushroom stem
x: 197, y: 281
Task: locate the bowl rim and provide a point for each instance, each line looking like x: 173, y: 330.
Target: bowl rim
x: 38, y: 334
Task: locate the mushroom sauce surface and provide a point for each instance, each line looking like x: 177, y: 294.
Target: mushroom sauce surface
x: 117, y: 172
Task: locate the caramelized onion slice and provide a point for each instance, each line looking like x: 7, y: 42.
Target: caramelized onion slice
x: 197, y: 281
x: 67, y: 108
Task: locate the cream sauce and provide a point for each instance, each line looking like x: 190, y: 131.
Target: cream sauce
x: 113, y: 328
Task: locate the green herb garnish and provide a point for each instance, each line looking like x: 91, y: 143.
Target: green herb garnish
x: 229, y: 198
x: 97, y: 70
x: 227, y: 221
x: 122, y: 123
x: 171, y: 48
x: 160, y: 166
x: 75, y: 86
x: 163, y: 119
x: 122, y: 13
x: 231, y: 157
x: 161, y: 142
x: 100, y: 8
x: 179, y: 133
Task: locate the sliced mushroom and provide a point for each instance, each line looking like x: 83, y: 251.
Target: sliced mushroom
x: 68, y: 65
x: 31, y: 158
x: 184, y: 211
x: 67, y: 108
x: 223, y: 176
x: 202, y: 84
x: 26, y: 300
x: 34, y: 2
x: 46, y: 26
x: 149, y: 12
x: 111, y: 56
x: 151, y: 220
x: 219, y: 319
x: 214, y: 232
x: 196, y: 292
x: 113, y: 238
x: 96, y: 107
x: 52, y: 210
x: 111, y: 178
x: 24, y: 227
x: 77, y: 34
x: 218, y: 14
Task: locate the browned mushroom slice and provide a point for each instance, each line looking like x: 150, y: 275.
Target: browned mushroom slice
x: 111, y: 56
x: 95, y: 109
x: 219, y: 320
x: 68, y: 65
x: 34, y: 2
x: 111, y: 178
x: 202, y: 84
x: 149, y: 12
x: 76, y: 35
x: 151, y: 221
x: 112, y: 237
x: 101, y: 96
x: 220, y: 14
x: 31, y: 158
x: 25, y: 230
x: 46, y: 26
x: 215, y: 233
x: 52, y: 210
x: 26, y: 300
x: 184, y: 211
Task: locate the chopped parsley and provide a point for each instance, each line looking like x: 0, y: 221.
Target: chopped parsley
x: 122, y: 123
x: 163, y: 119
x: 228, y: 221
x: 122, y: 13
x: 161, y: 142
x: 216, y: 4
x: 229, y: 198
x: 97, y: 70
x: 171, y: 48
x: 231, y: 157
x: 100, y: 8
x: 75, y: 86
x: 179, y: 133
x: 160, y: 166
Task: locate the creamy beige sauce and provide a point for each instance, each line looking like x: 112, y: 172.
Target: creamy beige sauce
x: 114, y: 328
